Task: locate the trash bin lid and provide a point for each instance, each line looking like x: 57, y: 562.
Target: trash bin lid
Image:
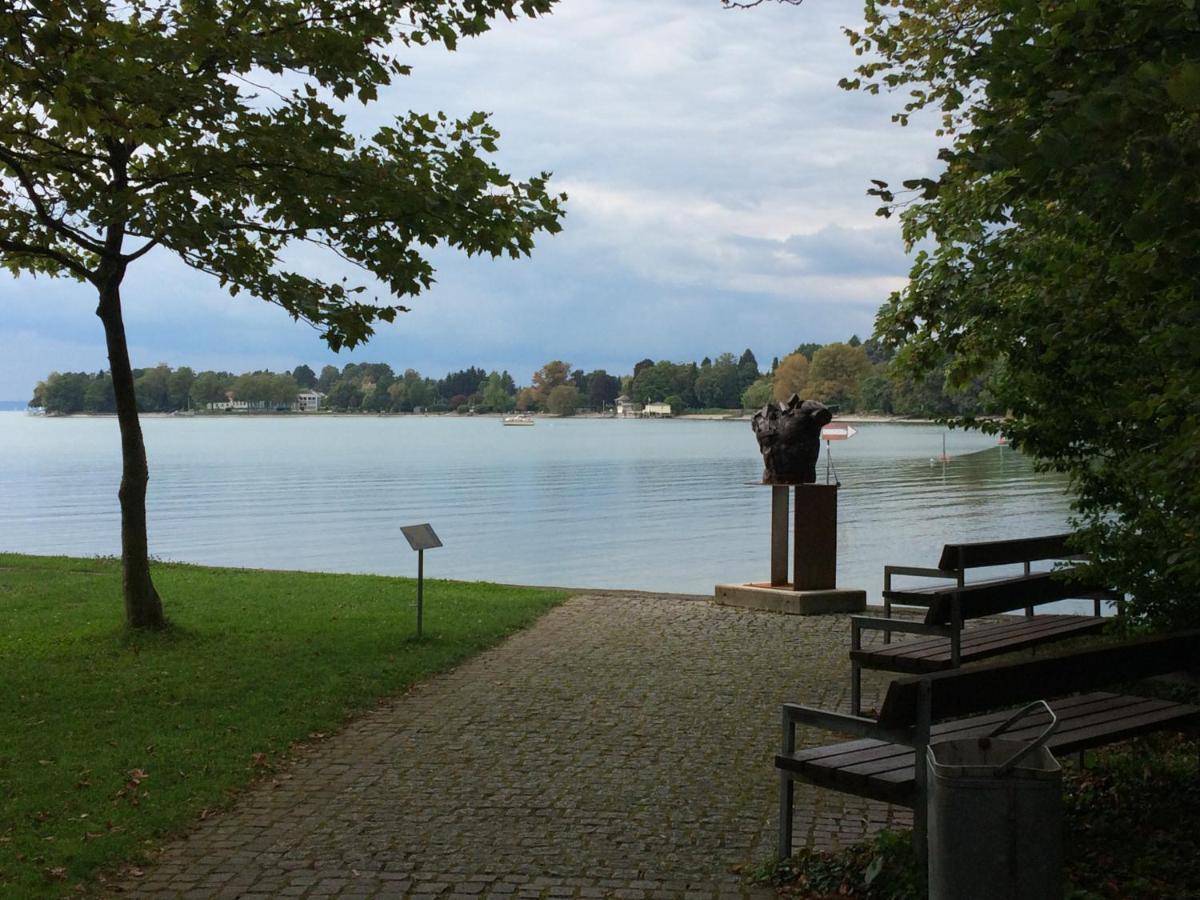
x: 983, y: 757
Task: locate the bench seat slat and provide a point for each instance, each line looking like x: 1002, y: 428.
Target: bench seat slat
x: 884, y: 771
x: 982, y: 636
x: 1077, y: 708
x: 933, y: 654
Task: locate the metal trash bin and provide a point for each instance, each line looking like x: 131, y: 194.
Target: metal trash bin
x: 995, y: 817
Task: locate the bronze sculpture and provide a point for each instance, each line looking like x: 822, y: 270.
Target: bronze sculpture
x: 789, y: 437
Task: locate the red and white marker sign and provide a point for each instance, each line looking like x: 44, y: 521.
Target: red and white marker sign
x: 837, y: 433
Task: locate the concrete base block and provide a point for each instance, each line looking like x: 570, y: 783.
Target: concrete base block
x: 786, y: 600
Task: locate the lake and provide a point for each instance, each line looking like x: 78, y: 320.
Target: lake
x: 652, y: 504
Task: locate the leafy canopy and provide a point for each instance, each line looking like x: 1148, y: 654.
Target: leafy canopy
x: 216, y: 129
x: 1062, y: 247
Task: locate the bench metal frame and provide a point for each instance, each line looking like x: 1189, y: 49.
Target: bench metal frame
x: 914, y: 704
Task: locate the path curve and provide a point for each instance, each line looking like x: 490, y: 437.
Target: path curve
x: 619, y: 747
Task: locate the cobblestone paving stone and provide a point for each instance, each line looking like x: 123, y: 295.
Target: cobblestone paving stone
x: 620, y: 747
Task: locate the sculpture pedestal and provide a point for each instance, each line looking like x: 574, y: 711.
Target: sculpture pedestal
x: 792, y: 602
x: 812, y: 588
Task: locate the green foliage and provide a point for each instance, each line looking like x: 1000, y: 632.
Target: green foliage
x: 274, y: 391
x: 835, y: 375
x: 550, y: 376
x: 719, y: 385
x: 497, y: 394
x: 209, y: 387
x: 304, y: 376
x: 807, y: 350
x: 603, y: 389
x: 1132, y: 817
x: 466, y: 382
x: 142, y: 122
x: 1062, y: 244
x: 759, y: 394
x: 563, y: 400
x: 255, y: 661
x: 883, y: 868
x: 875, y: 391
x: 791, y: 377
x: 747, y: 370
x: 655, y: 383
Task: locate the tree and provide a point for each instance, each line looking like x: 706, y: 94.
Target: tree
x: 62, y: 392
x: 99, y: 395
x: 547, y: 378
x: 807, y: 350
x: 563, y: 400
x: 131, y: 127
x: 344, y: 394
x: 747, y: 370
x: 759, y: 394
x: 718, y: 386
x: 836, y: 373
x: 1062, y: 244
x: 152, y: 388
x: 526, y: 399
x: 496, y: 395
x: 210, y: 387
x: 875, y: 391
x: 791, y: 377
x: 663, y: 379
x: 305, y: 377
x: 328, y: 378
x: 603, y: 389
x: 465, y: 382
x: 179, y: 388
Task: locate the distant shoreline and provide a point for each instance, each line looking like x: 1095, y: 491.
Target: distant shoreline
x: 731, y: 416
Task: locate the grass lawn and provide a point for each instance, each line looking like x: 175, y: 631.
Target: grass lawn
x: 111, y: 741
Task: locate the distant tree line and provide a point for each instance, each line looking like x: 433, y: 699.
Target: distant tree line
x: 853, y: 375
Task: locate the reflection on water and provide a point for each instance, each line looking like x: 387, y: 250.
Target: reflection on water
x: 660, y: 505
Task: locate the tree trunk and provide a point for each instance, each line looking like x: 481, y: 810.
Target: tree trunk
x: 143, y: 608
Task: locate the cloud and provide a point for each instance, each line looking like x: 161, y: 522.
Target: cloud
x: 717, y: 180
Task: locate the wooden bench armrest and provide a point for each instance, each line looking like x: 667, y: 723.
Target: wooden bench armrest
x: 842, y: 723
x: 915, y: 570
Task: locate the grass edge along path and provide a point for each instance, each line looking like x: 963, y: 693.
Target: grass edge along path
x: 112, y: 741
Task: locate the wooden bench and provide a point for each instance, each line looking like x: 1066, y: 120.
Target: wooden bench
x: 886, y: 761
x: 944, y: 643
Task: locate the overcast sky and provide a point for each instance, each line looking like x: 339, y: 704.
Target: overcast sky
x: 717, y: 179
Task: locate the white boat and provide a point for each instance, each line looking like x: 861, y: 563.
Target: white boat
x: 519, y: 419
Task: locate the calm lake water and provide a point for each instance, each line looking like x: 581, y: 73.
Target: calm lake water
x: 659, y: 505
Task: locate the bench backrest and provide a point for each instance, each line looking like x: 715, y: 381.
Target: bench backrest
x: 1020, y: 592
x: 961, y: 692
x: 960, y: 557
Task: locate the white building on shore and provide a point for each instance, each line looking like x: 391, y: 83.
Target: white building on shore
x: 308, y: 400
x: 626, y: 407
x: 657, y: 410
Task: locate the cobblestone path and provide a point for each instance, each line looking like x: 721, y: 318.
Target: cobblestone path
x: 621, y: 747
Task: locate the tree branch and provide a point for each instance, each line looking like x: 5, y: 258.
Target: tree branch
x: 141, y: 251
x: 750, y: 4
x: 57, y: 225
x: 21, y: 248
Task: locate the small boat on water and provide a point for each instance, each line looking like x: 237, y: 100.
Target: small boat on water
x: 518, y: 419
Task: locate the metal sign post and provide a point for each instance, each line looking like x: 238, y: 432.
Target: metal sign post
x: 420, y: 538
x: 835, y: 433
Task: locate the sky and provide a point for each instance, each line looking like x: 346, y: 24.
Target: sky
x: 717, y: 181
